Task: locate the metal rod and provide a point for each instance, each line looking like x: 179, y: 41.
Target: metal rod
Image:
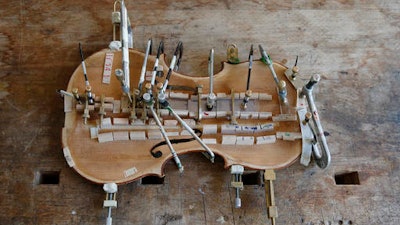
x: 116, y: 18
x: 248, y: 91
x: 172, y: 65
x: 238, y: 201
x: 190, y: 130
x: 109, y: 218
x: 211, y: 70
x: 125, y: 46
x: 323, y: 159
x: 130, y: 32
x: 144, y: 66
x: 160, y: 50
x: 109, y: 212
x: 83, y: 65
x: 211, y: 96
x: 89, y: 95
x: 269, y: 64
x: 250, y: 67
x: 164, y: 134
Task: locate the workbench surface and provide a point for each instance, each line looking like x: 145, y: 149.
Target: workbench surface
x: 354, y: 45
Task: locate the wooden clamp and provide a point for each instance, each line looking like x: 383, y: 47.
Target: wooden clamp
x: 102, y: 111
x: 86, y: 114
x: 269, y: 177
x: 133, y: 117
x: 233, y: 116
x: 199, y: 93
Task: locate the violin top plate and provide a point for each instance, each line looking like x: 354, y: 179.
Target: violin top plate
x: 114, y: 145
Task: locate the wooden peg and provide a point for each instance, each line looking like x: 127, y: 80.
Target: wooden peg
x: 269, y: 177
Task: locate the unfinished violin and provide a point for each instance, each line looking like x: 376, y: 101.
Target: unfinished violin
x: 128, y: 112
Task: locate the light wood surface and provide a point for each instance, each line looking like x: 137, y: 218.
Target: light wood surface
x: 107, y: 162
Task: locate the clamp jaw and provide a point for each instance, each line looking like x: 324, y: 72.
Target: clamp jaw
x: 110, y: 202
x: 237, y: 182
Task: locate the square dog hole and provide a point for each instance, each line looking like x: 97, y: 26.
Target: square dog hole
x: 149, y: 180
x: 349, y: 178
x: 47, y: 177
x: 252, y: 178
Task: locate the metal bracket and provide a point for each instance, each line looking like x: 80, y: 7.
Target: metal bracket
x: 232, y: 54
x: 323, y: 157
x: 307, y: 138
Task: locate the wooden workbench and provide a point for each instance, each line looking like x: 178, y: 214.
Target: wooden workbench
x: 355, y: 45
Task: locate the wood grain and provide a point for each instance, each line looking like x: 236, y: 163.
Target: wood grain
x: 106, y: 162
x: 354, y: 45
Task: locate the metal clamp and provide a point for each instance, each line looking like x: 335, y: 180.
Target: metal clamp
x: 237, y: 183
x: 323, y: 157
x: 110, y: 202
x: 116, y: 18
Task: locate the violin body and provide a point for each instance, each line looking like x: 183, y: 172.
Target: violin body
x: 115, y: 144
